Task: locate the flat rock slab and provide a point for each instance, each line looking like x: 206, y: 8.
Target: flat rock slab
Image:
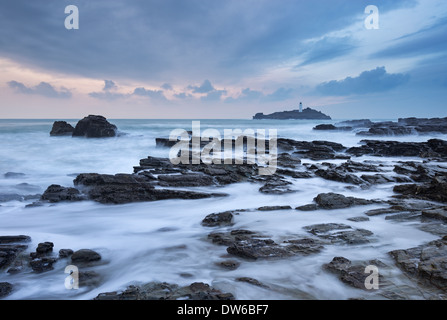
x: 340, y: 233
x: 427, y: 262
x: 167, y: 291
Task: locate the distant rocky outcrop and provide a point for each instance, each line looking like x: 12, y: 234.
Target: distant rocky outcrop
x: 404, y: 126
x: 93, y: 126
x: 306, y: 114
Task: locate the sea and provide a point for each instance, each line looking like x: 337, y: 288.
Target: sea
x: 164, y: 241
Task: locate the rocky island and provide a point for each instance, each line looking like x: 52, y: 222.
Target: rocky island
x: 301, y: 114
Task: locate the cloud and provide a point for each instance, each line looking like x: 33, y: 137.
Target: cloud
x: 204, y: 88
x: 167, y: 86
x: 280, y: 94
x: 183, y: 95
x: 44, y: 89
x: 326, y: 49
x: 248, y: 95
x: 154, y: 94
x: 426, y: 41
x: 108, y: 92
x: 214, y: 95
x: 109, y: 85
x: 377, y: 80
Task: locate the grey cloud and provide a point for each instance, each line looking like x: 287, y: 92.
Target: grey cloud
x: 204, y: 88
x: 167, y: 39
x: 377, y: 80
x: 326, y: 49
x: 44, y: 89
x: 108, y: 92
x: 214, y: 95
x: 154, y: 94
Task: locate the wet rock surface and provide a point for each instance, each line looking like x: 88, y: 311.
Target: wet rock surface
x: 427, y: 262
x: 167, y: 291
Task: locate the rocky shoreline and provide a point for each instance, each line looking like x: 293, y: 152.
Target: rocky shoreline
x: 420, y: 195
x: 403, y: 126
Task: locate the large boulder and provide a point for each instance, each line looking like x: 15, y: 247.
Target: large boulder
x: 61, y: 128
x: 94, y: 127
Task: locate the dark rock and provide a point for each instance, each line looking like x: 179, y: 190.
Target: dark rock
x: 325, y: 127
x: 218, y: 219
x: 166, y: 291
x: 436, y: 190
x: 14, y: 239
x: 287, y: 160
x: 186, y: 180
x: 352, y: 275
x: 5, y: 289
x: 276, y: 185
x: 340, y: 233
x: 380, y: 179
x: 61, y: 128
x: 340, y: 176
x: 307, y: 207
x: 403, y: 216
x: 258, y: 249
x: 94, y: 126
x: 57, y: 193
x: 358, y: 219
x: 45, y: 247
x: 305, y: 246
x: 89, y: 278
x: 376, y: 212
x: 427, y: 262
x: 126, y: 188
x: 85, y: 256
x: 433, y: 148
x: 10, y: 248
x: 438, y: 213
x: 352, y: 166
x: 338, y: 201
x: 338, y: 265
x: 273, y: 208
x: 252, y: 281
x: 65, y: 253
x: 42, y: 264
x: 229, y: 264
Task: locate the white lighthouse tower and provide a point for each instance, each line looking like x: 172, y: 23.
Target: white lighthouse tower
x: 301, y: 107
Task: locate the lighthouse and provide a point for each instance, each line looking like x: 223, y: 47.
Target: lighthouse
x: 301, y: 107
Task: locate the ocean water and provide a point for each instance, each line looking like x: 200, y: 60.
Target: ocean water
x: 164, y: 240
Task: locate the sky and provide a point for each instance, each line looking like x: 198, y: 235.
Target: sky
x: 230, y: 59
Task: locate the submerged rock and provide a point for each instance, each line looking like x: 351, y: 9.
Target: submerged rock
x: 11, y: 247
x: 5, y: 289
